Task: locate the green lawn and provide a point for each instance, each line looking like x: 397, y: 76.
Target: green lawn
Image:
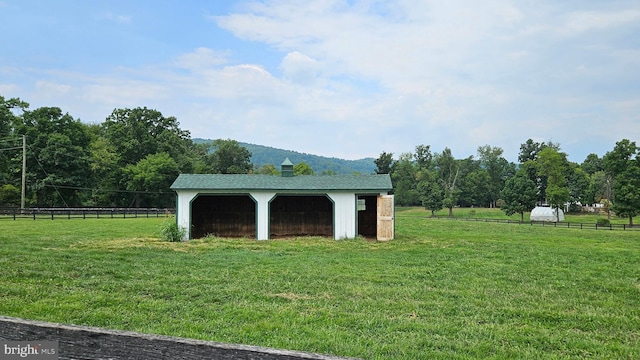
x: 442, y: 289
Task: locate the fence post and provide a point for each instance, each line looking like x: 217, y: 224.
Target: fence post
x: 69, y: 214
x: 51, y: 214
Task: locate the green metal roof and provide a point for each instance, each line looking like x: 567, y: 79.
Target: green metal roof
x: 286, y: 162
x: 379, y: 182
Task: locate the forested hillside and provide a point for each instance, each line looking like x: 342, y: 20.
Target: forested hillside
x: 264, y: 155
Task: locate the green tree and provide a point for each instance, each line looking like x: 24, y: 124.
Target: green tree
x: 9, y: 196
x: 578, y: 184
x: 529, y: 151
x: 592, y: 164
x: 519, y: 194
x: 599, y: 188
x: 403, y: 178
x: 152, y: 177
x: 58, y: 160
x: 474, y: 187
x: 139, y: 132
x: 384, y: 163
x: 554, y: 165
x: 133, y: 134
x: 448, y: 170
x: 623, y: 165
x: 9, y: 170
x: 302, y: 168
x: 104, y: 163
x: 430, y: 191
x: 497, y: 168
x: 229, y: 157
x: 268, y: 169
x: 423, y: 157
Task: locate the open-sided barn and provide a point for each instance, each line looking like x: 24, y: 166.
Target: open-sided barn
x: 267, y: 207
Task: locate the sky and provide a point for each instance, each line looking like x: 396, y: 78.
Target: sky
x: 345, y: 79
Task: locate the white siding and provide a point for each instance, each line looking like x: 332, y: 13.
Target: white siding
x: 183, y: 210
x: 344, y: 217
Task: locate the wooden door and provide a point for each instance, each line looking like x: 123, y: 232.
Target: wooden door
x: 385, y: 218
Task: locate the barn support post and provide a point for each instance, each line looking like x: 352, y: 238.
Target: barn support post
x: 183, y: 211
x: 345, y: 220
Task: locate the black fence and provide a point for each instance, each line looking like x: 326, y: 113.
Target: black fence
x: 562, y: 224
x: 84, y: 213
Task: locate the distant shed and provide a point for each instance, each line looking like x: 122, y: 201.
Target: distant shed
x: 267, y: 207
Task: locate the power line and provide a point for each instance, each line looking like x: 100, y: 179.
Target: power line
x: 110, y: 190
x: 8, y: 139
x: 13, y: 148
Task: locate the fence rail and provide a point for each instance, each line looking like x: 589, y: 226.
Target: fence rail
x: 83, y: 213
x: 562, y: 224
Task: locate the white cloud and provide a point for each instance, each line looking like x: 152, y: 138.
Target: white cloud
x: 300, y: 68
x: 202, y: 58
x: 51, y: 89
x: 583, y: 21
x: 122, y: 92
x: 8, y: 89
x: 117, y: 18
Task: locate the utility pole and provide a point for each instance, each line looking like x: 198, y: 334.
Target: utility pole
x: 24, y: 171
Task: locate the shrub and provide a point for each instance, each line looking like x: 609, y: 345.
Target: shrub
x: 170, y: 231
x: 603, y: 222
x: 9, y: 196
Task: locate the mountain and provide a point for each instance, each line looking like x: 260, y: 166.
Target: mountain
x: 261, y: 155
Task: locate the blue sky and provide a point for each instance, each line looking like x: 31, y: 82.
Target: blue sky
x: 348, y: 79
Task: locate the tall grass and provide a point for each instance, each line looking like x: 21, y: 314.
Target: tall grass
x: 476, y: 290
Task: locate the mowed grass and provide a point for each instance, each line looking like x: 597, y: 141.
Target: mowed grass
x: 442, y: 289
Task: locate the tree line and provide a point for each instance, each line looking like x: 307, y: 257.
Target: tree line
x: 129, y: 160
x: 133, y: 156
x: 543, y: 175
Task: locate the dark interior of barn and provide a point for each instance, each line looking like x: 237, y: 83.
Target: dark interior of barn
x: 223, y: 216
x: 367, y: 217
x: 301, y: 215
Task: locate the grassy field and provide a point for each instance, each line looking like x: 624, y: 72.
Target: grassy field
x: 473, y: 290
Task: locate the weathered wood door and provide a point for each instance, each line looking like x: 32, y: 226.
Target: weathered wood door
x: 385, y: 218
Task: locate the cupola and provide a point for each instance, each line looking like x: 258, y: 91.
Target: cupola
x: 286, y: 168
